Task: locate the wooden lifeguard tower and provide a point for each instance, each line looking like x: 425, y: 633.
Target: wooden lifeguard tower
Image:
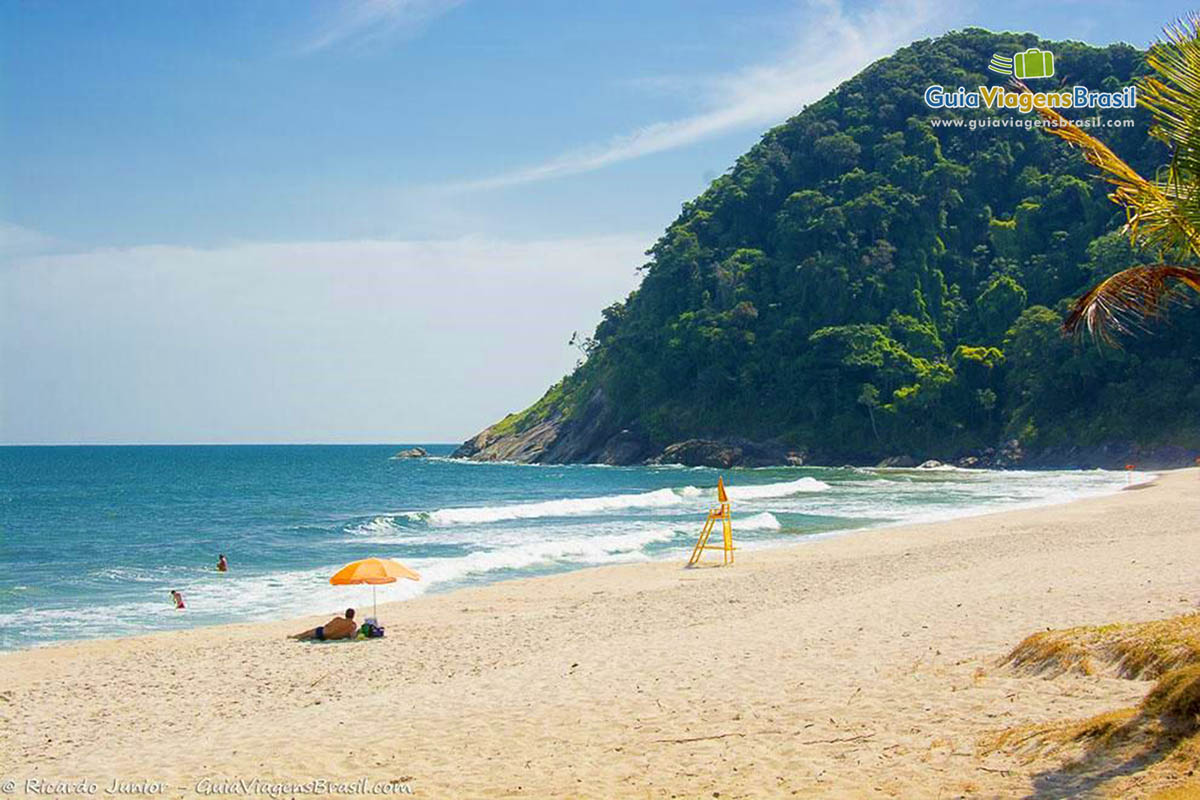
x: 721, y: 513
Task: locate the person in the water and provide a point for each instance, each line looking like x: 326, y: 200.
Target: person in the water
x: 178, y: 599
x: 222, y: 564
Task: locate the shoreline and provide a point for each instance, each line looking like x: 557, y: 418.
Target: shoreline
x: 845, y: 666
x: 966, y: 513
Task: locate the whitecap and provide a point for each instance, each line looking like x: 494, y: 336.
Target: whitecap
x: 768, y: 490
x: 659, y: 498
x: 766, y: 521
x: 379, y: 526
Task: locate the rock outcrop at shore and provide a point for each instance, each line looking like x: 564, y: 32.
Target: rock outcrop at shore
x: 555, y: 442
x: 588, y: 436
x: 593, y: 438
x: 728, y: 453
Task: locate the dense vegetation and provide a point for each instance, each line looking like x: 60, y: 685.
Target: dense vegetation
x: 863, y: 283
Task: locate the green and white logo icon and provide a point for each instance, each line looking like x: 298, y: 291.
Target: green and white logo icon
x: 1032, y: 63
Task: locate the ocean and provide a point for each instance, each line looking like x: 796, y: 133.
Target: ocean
x: 93, y: 539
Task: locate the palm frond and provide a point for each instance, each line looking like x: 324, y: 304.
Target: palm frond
x: 1163, y: 215
x: 1172, y: 96
x: 1130, y: 298
x: 1153, y: 215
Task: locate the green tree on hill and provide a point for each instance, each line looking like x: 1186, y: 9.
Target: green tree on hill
x: 863, y: 283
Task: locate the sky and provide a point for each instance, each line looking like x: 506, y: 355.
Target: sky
x: 377, y: 221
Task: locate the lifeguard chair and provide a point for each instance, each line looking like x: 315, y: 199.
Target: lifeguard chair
x: 714, y: 514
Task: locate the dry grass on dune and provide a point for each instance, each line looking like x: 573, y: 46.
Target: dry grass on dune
x: 1182, y: 791
x: 1047, y: 737
x: 1177, y: 696
x: 1135, y: 650
x: 1154, y: 745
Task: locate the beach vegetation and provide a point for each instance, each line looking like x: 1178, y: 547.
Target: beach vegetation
x: 1132, y: 650
x: 1184, y: 791
x: 1158, y: 740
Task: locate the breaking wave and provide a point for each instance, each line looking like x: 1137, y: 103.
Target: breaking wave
x: 565, y: 507
x: 575, y: 506
x: 765, y: 521
x: 769, y: 490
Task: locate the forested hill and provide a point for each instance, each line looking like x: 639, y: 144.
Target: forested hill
x: 864, y: 284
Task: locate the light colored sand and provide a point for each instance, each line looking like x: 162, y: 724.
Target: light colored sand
x: 855, y: 666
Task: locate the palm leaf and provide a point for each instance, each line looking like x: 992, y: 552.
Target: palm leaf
x: 1129, y: 299
x: 1163, y: 215
x: 1153, y: 217
x: 1172, y: 96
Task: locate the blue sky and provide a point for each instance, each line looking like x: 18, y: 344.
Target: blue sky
x: 376, y: 221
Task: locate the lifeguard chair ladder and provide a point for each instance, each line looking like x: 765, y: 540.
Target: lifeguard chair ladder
x: 714, y: 514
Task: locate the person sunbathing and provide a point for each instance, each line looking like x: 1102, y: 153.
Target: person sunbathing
x: 336, y: 628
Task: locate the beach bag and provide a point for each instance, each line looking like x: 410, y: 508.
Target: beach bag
x: 371, y: 630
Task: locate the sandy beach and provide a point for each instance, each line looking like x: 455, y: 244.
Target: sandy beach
x: 860, y: 665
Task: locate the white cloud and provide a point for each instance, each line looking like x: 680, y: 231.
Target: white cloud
x: 304, y: 341
x: 17, y: 242
x: 373, y: 19
x: 833, y: 46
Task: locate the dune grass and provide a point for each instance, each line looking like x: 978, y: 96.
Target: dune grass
x: 1161, y: 736
x: 1171, y: 711
x: 1047, y: 737
x: 1183, y: 791
x: 1133, y: 650
x: 1177, y: 696
x: 1162, y: 732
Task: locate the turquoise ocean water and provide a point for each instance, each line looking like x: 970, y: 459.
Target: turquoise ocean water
x: 92, y: 539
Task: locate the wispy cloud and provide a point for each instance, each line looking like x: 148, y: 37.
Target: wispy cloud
x: 20, y: 242
x: 832, y: 46
x: 360, y: 340
x: 368, y: 20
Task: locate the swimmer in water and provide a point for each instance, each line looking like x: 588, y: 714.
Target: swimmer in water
x: 178, y: 598
x: 222, y: 564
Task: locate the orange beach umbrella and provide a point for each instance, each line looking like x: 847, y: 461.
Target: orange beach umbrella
x: 373, y: 571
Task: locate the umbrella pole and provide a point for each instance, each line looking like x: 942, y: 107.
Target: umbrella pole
x: 375, y: 603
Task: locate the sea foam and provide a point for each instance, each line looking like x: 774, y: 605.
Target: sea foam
x: 766, y: 521
x: 575, y: 506
x: 768, y: 490
x: 564, y: 507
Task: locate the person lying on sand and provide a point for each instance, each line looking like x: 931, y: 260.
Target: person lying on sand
x: 336, y: 628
